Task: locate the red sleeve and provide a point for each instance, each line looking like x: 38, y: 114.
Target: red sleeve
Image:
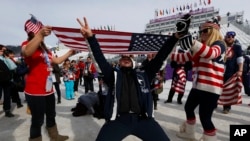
x: 93, y: 69
x: 24, y: 43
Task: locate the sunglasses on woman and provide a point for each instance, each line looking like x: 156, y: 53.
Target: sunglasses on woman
x: 206, y: 30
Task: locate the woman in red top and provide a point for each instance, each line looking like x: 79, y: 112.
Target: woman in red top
x: 39, y: 86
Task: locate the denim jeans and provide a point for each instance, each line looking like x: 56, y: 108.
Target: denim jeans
x: 39, y: 107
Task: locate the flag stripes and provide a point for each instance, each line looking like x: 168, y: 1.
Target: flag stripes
x: 33, y: 25
x: 112, y: 42
x: 231, y: 94
x: 179, y: 82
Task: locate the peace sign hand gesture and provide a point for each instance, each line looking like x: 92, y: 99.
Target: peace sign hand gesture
x: 85, y: 30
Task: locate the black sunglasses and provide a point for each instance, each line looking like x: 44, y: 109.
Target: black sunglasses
x: 230, y: 36
x: 206, y: 30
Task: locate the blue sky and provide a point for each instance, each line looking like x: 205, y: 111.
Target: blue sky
x: 125, y: 15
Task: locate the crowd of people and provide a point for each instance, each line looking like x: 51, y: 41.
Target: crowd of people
x: 127, y: 93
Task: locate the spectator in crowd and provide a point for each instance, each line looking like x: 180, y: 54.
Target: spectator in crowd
x: 57, y: 81
x: 234, y: 60
x: 68, y: 79
x: 246, y: 74
x: 76, y: 70
x: 156, y: 88
x: 208, y: 69
x: 156, y: 84
x: 81, y: 66
x: 179, y: 78
x: 7, y: 66
x: 2, y: 48
x: 92, y: 102
x: 128, y: 105
x: 39, y: 85
x: 150, y: 56
x: 89, y: 75
x: 16, y: 82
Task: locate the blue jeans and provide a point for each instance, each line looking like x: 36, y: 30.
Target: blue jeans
x: 69, y: 87
x: 39, y: 107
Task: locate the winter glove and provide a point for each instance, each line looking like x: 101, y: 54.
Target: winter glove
x: 183, y: 24
x: 186, y: 42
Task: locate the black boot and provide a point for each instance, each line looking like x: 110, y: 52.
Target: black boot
x: 179, y: 98
x: 19, y: 105
x: 8, y: 114
x: 170, y: 96
x: 155, y: 104
x: 59, y: 101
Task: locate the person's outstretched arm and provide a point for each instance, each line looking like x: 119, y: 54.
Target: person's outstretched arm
x: 105, y: 67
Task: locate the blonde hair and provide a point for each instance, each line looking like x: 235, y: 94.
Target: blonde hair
x: 214, y: 35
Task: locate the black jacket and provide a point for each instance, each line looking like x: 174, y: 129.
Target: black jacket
x: 144, y: 77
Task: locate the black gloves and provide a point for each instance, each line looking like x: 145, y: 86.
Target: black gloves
x: 186, y: 42
x: 183, y: 24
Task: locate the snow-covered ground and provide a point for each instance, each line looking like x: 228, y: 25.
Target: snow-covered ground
x: 86, y: 128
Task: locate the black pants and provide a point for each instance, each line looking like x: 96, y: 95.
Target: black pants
x: 39, y: 107
x: 155, y: 99
x: 76, y: 83
x: 58, y: 91
x: 6, y: 86
x: 246, y: 79
x: 15, y: 95
x: 206, y: 102
x: 146, y: 129
x: 88, y: 83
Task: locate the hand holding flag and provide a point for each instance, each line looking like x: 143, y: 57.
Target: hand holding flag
x: 36, y: 26
x: 32, y: 25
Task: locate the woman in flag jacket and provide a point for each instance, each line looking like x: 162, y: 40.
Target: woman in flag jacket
x: 208, y: 58
x: 179, y: 77
x: 128, y: 106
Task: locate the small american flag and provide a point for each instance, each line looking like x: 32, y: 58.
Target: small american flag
x: 33, y: 25
x: 231, y: 94
x: 112, y: 42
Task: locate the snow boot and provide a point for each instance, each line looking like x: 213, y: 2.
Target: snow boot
x: 208, y: 138
x: 54, y: 135
x: 187, y: 131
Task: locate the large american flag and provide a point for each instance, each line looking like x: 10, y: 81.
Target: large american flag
x: 112, y: 42
x: 231, y: 94
x: 33, y: 25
